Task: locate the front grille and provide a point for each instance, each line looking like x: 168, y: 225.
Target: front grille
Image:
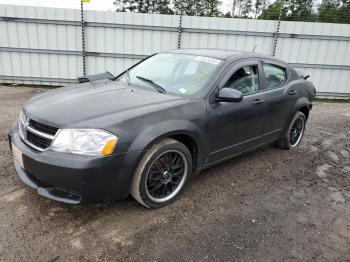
x: 43, y: 128
x: 37, y: 135
x: 38, y: 141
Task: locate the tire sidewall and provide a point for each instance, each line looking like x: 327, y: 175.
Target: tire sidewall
x: 150, y: 158
x: 296, y: 116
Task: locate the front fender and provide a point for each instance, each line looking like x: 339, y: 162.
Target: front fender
x: 153, y: 133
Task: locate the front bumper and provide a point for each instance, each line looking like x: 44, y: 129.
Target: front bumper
x: 73, y: 178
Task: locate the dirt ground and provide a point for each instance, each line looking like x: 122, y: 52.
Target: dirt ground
x: 268, y: 205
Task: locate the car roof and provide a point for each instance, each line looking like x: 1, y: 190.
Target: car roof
x: 222, y: 54
x: 215, y: 53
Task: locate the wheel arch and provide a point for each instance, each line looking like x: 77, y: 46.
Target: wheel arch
x: 302, y: 105
x: 305, y: 110
x: 183, y: 131
x: 185, y: 138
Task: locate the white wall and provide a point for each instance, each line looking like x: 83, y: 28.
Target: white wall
x: 43, y: 45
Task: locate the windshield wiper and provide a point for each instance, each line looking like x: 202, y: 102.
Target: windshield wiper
x: 153, y: 84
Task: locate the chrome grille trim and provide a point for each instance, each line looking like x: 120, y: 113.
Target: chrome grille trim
x: 34, y: 146
x: 24, y: 127
x: 39, y: 133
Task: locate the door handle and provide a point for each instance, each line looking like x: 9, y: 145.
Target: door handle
x: 258, y: 101
x: 292, y: 92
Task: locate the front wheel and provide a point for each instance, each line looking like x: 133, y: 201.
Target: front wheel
x: 162, y: 174
x: 294, y: 133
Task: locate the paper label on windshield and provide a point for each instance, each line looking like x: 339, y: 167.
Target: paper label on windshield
x: 182, y: 90
x: 208, y: 60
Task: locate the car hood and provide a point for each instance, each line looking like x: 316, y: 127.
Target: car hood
x: 74, y: 105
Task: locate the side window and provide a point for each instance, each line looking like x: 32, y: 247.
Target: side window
x: 245, y: 80
x: 275, y: 76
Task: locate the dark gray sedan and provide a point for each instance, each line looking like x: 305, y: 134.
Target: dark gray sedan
x: 147, y: 130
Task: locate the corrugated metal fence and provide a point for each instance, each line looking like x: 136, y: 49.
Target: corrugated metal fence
x: 44, y: 46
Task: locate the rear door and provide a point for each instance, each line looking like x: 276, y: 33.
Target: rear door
x: 278, y: 98
x: 236, y: 127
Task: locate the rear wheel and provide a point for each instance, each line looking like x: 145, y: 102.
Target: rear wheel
x: 162, y: 174
x: 294, y: 133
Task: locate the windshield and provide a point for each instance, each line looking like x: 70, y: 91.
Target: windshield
x: 174, y: 73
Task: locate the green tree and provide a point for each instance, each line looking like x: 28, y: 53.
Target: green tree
x: 299, y: 10
x: 189, y: 7
x: 245, y: 8
x: 227, y: 15
x: 144, y: 6
x: 335, y: 11
x: 344, y: 12
x: 272, y: 11
x: 332, y: 11
x: 327, y: 11
x: 197, y: 7
x: 295, y: 10
x: 257, y: 7
x: 260, y: 6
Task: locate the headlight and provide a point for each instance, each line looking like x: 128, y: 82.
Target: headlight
x: 92, y: 142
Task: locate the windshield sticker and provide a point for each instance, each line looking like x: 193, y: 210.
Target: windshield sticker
x: 208, y: 60
x: 182, y: 90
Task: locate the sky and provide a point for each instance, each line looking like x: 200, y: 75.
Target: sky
x: 93, y: 5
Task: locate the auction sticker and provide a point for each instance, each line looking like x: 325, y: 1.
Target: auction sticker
x: 208, y: 60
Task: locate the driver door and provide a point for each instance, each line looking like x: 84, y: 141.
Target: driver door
x: 235, y: 127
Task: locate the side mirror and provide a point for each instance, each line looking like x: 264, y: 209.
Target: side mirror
x: 229, y: 95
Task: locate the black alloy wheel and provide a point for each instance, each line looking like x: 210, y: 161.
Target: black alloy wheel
x: 162, y: 174
x: 297, y: 131
x: 293, y: 133
x: 166, y: 175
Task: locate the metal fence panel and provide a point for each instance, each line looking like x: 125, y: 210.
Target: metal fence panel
x: 43, y: 45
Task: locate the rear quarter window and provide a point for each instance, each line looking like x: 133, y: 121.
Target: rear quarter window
x: 275, y: 76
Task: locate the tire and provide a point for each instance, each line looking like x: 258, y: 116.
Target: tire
x: 285, y: 142
x: 163, y: 165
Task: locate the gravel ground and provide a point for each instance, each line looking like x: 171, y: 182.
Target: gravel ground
x: 268, y: 205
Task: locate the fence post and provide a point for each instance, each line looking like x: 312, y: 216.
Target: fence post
x: 83, y: 37
x: 277, y: 29
x: 179, y: 32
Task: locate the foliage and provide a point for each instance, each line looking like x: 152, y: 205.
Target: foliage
x: 227, y: 15
x: 245, y: 8
x: 296, y: 10
x: 272, y: 11
x: 198, y: 8
x: 333, y: 11
x: 144, y: 6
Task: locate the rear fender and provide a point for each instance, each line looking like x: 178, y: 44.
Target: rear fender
x: 301, y: 102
